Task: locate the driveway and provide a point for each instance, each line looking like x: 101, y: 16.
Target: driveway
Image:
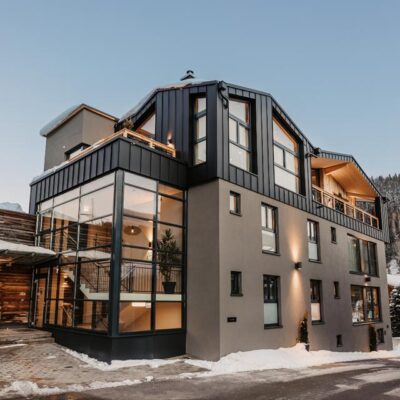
x: 371, y: 380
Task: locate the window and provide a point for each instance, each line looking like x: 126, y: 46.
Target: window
x: 313, y: 240
x: 286, y: 159
x: 200, y: 130
x: 239, y: 134
x: 76, y: 150
x: 316, y: 301
x: 339, y: 341
x: 236, y: 283
x: 333, y: 234
x: 380, y: 334
x: 365, y: 302
x: 271, y: 301
x: 336, y: 290
x: 234, y: 203
x: 148, y: 126
x: 362, y: 256
x: 269, y: 228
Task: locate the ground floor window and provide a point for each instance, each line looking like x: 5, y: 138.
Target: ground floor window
x: 316, y: 300
x: 271, y: 301
x: 365, y: 302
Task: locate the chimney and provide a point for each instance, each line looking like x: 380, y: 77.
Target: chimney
x: 189, y: 75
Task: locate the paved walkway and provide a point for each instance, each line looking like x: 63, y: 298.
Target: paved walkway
x: 47, y: 364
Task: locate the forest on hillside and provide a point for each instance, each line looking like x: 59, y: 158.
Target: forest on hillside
x: 389, y: 187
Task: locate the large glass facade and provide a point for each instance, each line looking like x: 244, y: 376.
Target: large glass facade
x: 78, y: 225
x: 153, y: 243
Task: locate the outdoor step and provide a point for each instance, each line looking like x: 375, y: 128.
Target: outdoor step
x: 23, y: 336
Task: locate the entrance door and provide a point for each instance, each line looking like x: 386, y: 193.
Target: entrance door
x: 40, y: 296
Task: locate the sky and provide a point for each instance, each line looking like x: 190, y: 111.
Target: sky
x: 333, y: 66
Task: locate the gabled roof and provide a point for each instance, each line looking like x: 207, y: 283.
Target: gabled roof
x: 68, y: 114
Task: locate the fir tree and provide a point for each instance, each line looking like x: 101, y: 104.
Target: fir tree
x: 395, y: 311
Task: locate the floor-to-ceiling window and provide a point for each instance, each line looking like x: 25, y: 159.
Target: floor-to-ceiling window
x: 153, y: 243
x: 77, y: 225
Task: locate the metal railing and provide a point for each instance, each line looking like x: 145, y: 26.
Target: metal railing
x: 139, y: 279
x: 341, y: 205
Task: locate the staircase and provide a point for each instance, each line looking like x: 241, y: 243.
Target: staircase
x: 24, y: 336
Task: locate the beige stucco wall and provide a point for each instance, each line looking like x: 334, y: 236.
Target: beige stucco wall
x: 85, y: 127
x: 239, y: 239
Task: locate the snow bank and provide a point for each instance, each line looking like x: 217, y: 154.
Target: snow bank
x: 393, y: 280
x: 118, y: 364
x: 28, y: 388
x: 296, y: 357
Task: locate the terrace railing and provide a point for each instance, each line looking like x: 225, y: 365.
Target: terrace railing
x: 341, y: 205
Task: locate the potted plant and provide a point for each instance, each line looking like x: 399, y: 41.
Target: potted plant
x: 303, y: 332
x: 167, y: 256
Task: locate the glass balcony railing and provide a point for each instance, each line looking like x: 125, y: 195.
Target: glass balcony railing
x: 341, y: 205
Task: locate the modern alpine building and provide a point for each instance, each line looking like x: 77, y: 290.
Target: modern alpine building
x: 204, y: 222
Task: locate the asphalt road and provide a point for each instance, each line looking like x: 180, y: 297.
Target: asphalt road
x: 371, y: 380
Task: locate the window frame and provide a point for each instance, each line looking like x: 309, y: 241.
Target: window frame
x: 248, y: 126
x: 336, y: 290
x: 316, y: 241
x: 237, y: 199
x: 314, y: 300
x: 274, y: 230
x: 276, y: 278
x: 143, y: 120
x: 333, y: 235
x: 286, y: 150
x: 366, y: 305
x: 196, y: 116
x: 238, y: 276
x: 362, y: 268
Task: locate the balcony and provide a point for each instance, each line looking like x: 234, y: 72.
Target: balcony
x: 343, y: 206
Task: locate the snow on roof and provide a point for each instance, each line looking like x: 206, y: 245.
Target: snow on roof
x: 18, y: 248
x: 145, y: 99
x: 393, y: 280
x: 11, y: 206
x: 68, y: 113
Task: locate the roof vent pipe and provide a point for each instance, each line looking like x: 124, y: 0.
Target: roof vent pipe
x: 189, y: 75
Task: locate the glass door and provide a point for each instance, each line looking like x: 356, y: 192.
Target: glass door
x: 40, y: 296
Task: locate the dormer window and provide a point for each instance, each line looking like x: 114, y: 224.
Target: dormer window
x: 239, y: 134
x: 286, y: 158
x: 148, y: 126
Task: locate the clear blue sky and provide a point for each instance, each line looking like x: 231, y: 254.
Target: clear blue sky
x: 334, y: 67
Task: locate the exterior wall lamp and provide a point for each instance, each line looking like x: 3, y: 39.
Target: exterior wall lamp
x: 298, y: 265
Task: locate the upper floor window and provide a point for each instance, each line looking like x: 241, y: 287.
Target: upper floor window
x: 286, y: 159
x: 362, y: 256
x: 234, y: 203
x: 269, y: 228
x: 239, y: 134
x: 313, y: 240
x: 200, y: 131
x: 236, y: 283
x: 75, y: 151
x: 148, y: 126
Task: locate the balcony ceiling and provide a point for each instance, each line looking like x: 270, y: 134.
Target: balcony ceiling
x: 347, y: 175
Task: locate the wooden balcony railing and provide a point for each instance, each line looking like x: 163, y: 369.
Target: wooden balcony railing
x: 341, y: 205
x: 169, y: 149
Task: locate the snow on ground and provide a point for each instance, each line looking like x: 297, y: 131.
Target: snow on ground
x: 296, y: 357
x: 6, y: 346
x: 393, y: 280
x: 28, y: 388
x: 118, y: 364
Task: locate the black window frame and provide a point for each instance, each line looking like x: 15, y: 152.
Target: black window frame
x: 274, y: 230
x: 362, y: 268
x: 285, y: 150
x: 316, y: 297
x: 336, y: 290
x: 248, y: 126
x: 238, y: 204
x: 380, y: 335
x: 310, y: 239
x: 339, y: 340
x: 333, y: 235
x: 195, y: 117
x: 366, y: 305
x: 236, y: 284
x: 272, y: 298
